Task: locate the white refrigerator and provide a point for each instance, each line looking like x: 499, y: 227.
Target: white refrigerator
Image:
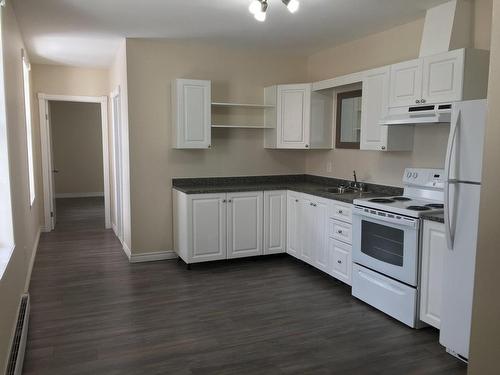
x: 463, y: 169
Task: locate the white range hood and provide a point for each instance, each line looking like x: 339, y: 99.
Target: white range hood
x: 429, y: 114
x: 447, y: 27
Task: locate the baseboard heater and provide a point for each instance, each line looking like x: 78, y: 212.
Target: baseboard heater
x: 16, y: 359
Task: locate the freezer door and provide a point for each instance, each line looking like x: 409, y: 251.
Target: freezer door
x: 459, y: 267
x: 465, y: 146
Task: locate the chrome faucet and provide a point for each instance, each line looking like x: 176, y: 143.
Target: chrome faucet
x: 355, y: 179
x: 359, y: 186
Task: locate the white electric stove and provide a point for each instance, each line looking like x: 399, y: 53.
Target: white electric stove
x: 386, y: 235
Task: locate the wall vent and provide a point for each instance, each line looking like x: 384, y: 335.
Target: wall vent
x: 16, y: 359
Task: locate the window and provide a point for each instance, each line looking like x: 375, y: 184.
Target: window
x: 29, y: 131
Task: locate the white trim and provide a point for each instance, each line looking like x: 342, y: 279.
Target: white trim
x: 152, y: 257
x: 347, y: 79
x: 32, y: 260
x: 46, y: 151
x: 80, y: 195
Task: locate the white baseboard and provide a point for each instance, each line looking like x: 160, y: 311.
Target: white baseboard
x: 152, y: 257
x: 79, y: 195
x: 32, y: 260
x: 126, y: 250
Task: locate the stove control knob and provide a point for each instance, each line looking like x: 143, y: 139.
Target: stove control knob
x: 415, y: 174
x: 408, y: 175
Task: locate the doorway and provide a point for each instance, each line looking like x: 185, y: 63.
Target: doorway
x: 75, y: 155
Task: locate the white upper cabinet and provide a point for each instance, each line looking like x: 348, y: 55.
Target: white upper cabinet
x: 374, y: 107
x: 301, y: 119
x: 448, y: 77
x: 244, y: 224
x: 406, y: 83
x: 191, y: 114
x: 293, y: 115
x: 443, y: 77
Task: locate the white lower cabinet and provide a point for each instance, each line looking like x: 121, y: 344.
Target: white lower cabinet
x: 293, y: 211
x: 275, y: 205
x: 433, y: 252
x: 211, y: 227
x: 244, y: 224
x: 340, y: 261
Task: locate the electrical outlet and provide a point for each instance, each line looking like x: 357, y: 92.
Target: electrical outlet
x: 329, y: 166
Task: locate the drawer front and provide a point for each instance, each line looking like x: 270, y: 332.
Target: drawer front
x: 340, y: 231
x: 394, y: 298
x: 341, y: 211
x: 340, y: 260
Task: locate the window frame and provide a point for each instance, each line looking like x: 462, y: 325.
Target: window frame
x: 28, y: 127
x: 339, y: 144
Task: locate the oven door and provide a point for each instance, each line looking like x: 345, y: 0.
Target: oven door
x: 387, y: 245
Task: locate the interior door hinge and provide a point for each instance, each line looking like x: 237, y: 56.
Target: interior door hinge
x: 51, y: 214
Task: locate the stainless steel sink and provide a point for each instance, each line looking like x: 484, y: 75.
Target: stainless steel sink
x: 339, y: 190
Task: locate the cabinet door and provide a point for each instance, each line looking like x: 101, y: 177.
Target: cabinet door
x: 406, y: 83
x: 207, y: 227
x: 244, y: 224
x: 293, y: 213
x: 320, y: 235
x: 340, y: 263
x: 307, y: 229
x: 433, y: 252
x: 293, y: 116
x: 374, y: 107
x: 443, y: 77
x: 275, y: 222
x: 191, y: 110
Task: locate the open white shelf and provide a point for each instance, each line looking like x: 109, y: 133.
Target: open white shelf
x: 241, y: 126
x: 247, y: 105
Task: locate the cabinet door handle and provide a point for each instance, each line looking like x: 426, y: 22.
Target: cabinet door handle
x: 339, y: 261
x: 230, y: 201
x: 340, y: 212
x: 422, y: 101
x: 307, y: 146
x: 296, y: 200
x: 223, y: 201
x: 417, y: 101
x: 383, y: 147
x: 339, y: 231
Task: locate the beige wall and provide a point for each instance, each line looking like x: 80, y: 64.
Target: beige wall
x: 485, y: 338
x: 77, y: 147
x: 391, y: 46
x: 26, y: 219
x: 237, y: 75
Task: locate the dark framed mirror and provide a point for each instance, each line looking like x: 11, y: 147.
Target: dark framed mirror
x: 348, y: 119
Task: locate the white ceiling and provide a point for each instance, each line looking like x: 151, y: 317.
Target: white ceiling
x: 88, y: 32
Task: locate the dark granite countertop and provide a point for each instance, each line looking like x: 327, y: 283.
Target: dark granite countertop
x: 434, y: 217
x: 308, y: 184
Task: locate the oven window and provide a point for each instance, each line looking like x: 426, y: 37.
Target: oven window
x: 382, y: 242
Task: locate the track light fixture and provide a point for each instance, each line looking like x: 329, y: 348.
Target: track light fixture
x: 259, y: 7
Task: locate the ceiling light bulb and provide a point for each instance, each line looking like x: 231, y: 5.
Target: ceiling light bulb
x: 260, y: 16
x: 292, y: 5
x: 255, y: 7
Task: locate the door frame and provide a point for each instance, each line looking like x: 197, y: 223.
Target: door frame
x: 116, y: 161
x: 46, y: 150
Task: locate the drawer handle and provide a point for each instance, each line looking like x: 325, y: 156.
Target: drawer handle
x: 339, y: 231
x: 381, y: 284
x: 341, y: 212
x: 339, y: 261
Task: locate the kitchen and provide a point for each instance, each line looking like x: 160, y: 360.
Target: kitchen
x: 403, y: 251
x: 281, y: 198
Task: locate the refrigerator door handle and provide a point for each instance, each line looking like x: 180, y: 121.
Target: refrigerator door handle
x: 450, y: 235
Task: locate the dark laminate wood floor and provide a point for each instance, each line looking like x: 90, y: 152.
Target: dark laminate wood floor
x: 94, y: 313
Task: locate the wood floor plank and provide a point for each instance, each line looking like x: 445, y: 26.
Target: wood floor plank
x: 94, y: 313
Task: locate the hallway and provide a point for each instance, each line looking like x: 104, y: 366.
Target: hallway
x: 94, y: 313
